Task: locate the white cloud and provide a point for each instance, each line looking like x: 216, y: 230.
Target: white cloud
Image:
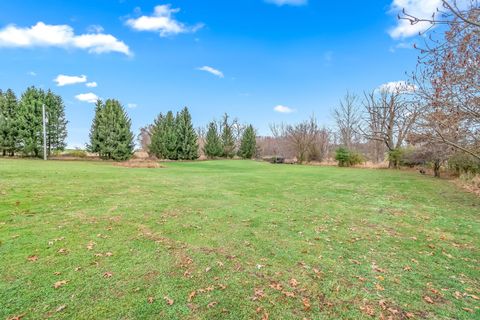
x: 418, y: 8
x: 92, y: 84
x: 283, y: 109
x: 62, y: 36
x: 163, y: 22
x: 397, y: 86
x: 288, y: 2
x: 211, y: 70
x: 32, y: 73
x: 64, y: 80
x: 132, y: 105
x: 87, y: 97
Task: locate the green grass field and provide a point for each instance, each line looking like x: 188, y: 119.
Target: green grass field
x: 234, y: 240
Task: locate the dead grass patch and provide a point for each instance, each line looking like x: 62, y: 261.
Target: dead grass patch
x: 135, y: 163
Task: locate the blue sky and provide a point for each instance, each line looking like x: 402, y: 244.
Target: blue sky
x: 249, y: 58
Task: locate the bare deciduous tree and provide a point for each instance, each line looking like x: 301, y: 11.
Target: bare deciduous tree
x: 347, y: 117
x: 390, y: 116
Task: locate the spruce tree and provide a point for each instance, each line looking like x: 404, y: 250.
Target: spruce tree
x: 187, y: 140
x: 30, y: 121
x: 96, y: 141
x: 213, y: 144
x: 228, y: 141
x: 110, y: 134
x: 56, y: 122
x: 157, y: 140
x: 170, y: 137
x: 248, y: 144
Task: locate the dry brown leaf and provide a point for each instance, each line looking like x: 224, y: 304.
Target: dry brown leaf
x: 428, y: 299
x: 108, y: 254
x: 168, y: 300
x: 409, y: 315
x: 258, y: 294
x: 306, y: 304
x: 407, y: 268
x: 57, y: 273
x: 293, y: 282
x: 18, y: 317
x: 368, y: 310
x: 107, y: 274
x: 212, y: 304
x: 32, y: 258
x: 468, y: 310
x: 192, y: 295
x: 150, y: 299
x: 63, y: 251
x: 276, y: 286
x: 289, y: 294
x: 265, y: 316
x: 58, y: 284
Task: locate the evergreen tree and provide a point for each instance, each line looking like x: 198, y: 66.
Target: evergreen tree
x: 110, y: 134
x: 170, y: 137
x: 248, y: 144
x: 157, y: 140
x: 213, y: 144
x: 30, y: 121
x: 56, y: 122
x: 96, y: 141
x: 187, y: 140
x: 228, y: 141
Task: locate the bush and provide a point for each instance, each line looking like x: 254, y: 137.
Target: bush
x: 347, y: 158
x: 395, y: 157
x: 463, y: 163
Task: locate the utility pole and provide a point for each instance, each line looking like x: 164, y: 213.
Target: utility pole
x: 44, y: 133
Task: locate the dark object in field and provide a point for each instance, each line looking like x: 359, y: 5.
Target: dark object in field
x: 422, y: 171
x: 274, y: 159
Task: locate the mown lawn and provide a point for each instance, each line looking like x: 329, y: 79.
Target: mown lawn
x: 234, y: 240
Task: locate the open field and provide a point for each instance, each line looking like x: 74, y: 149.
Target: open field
x: 234, y: 240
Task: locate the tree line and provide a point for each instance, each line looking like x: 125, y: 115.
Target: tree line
x: 21, y: 122
x: 173, y: 137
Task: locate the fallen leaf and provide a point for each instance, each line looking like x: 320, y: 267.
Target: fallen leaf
x: 369, y: 310
x: 208, y: 269
x: 407, y: 268
x: 63, y: 251
x: 409, y: 315
x: 468, y: 310
x: 428, y: 299
x: 306, y: 304
x: 57, y: 273
x: 108, y: 254
x: 258, y: 294
x: 276, y: 286
x: 192, y: 295
x: 293, y: 282
x: 32, y: 258
x: 107, y: 274
x: 289, y: 294
x: 19, y: 317
x: 168, y: 300
x: 265, y: 316
x: 150, y: 299
x: 58, y: 284
x: 212, y: 304
x: 379, y: 287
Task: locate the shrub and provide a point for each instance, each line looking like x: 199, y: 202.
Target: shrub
x: 463, y: 163
x: 395, y: 157
x: 347, y: 158
x: 77, y: 153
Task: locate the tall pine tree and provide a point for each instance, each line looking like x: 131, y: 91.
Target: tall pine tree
x: 30, y: 122
x: 110, y: 134
x: 56, y: 122
x: 157, y: 139
x: 228, y: 141
x: 248, y: 144
x: 213, y: 144
x: 187, y: 140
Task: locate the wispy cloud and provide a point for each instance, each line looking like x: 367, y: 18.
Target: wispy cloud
x: 288, y: 2
x: 87, y: 97
x: 211, y: 70
x: 32, y: 73
x: 132, y: 105
x: 61, y: 36
x: 162, y: 21
x: 283, y: 109
x: 92, y: 84
x: 64, y: 80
